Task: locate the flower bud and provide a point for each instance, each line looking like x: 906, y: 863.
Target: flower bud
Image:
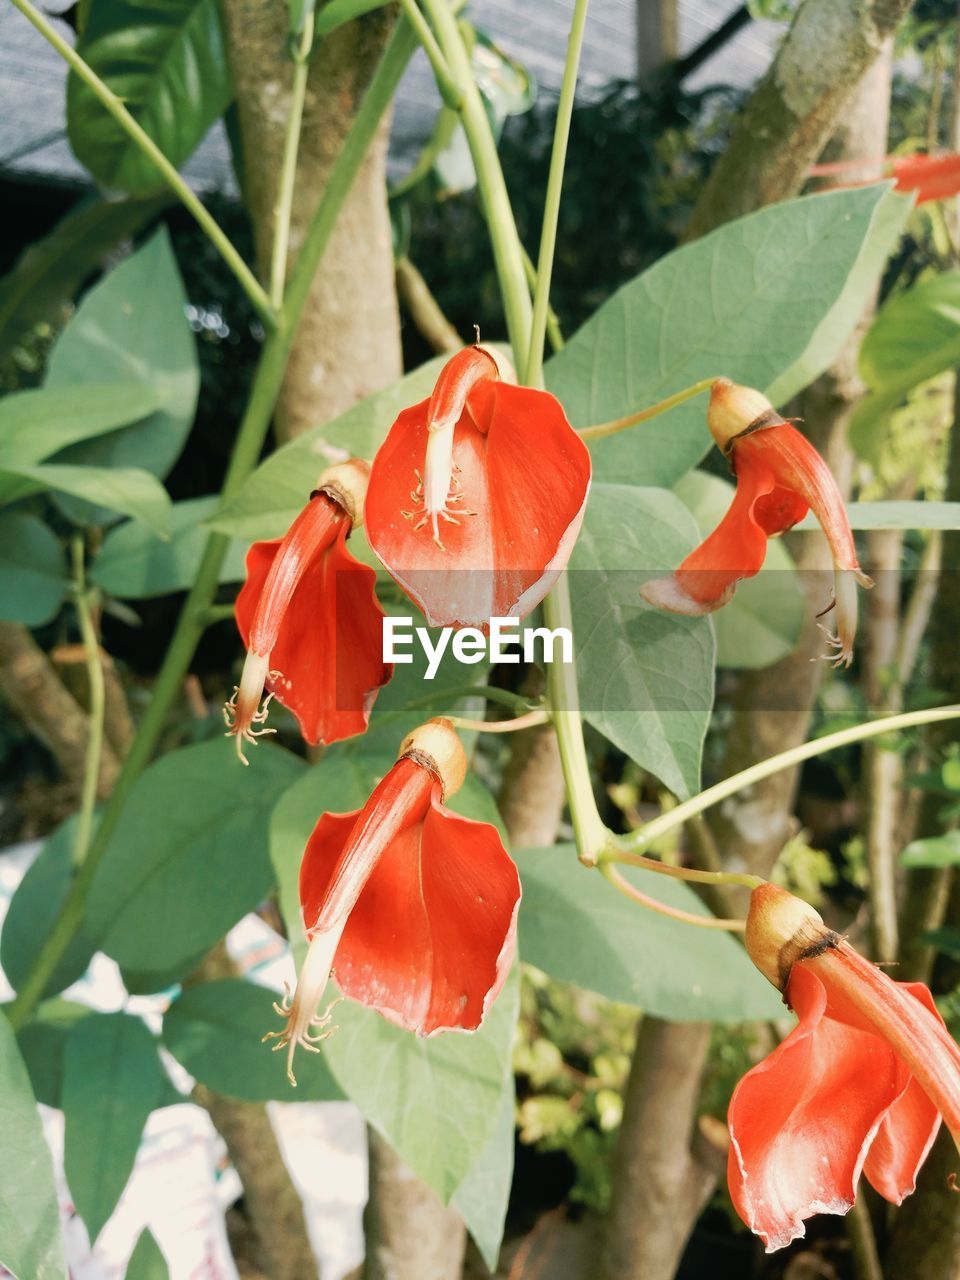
x: 734, y: 410
x: 436, y: 746
x: 346, y: 483
x: 781, y: 930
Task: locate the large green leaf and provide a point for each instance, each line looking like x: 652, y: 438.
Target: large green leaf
x: 30, y: 1244
x: 43, y: 1041
x: 483, y: 1195
x: 125, y: 489
x: 50, y: 270
x: 767, y: 300
x: 578, y: 928
x: 188, y: 857
x: 934, y: 851
x: 147, y: 1261
x: 436, y: 1100
x: 915, y: 336
x: 112, y: 1080
x: 166, y: 60
x: 36, y: 424
x: 33, y: 910
x: 132, y: 326
x: 215, y: 1030
x: 279, y: 487
x: 34, y: 581
x: 646, y: 677
x: 762, y: 622
x: 134, y: 563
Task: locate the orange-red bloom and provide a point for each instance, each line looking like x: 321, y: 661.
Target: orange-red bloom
x: 477, y: 494
x: 780, y: 476
x: 859, y: 1085
x: 932, y: 177
x: 410, y: 906
x: 310, y: 621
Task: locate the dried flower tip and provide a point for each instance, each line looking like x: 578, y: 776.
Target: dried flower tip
x: 781, y: 930
x: 304, y: 1025
x: 244, y: 711
x: 346, y: 483
x: 734, y: 410
x: 436, y: 746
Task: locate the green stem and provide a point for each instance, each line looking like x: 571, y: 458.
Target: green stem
x: 111, y: 103
x: 615, y: 854
x: 94, y: 662
x: 675, y: 913
x: 283, y: 210
x: 493, y: 190
x: 551, y: 206
x: 246, y: 452
x: 633, y: 419
x: 450, y: 91
x: 529, y: 720
x: 215, y: 613
x: 677, y: 816
x: 554, y: 332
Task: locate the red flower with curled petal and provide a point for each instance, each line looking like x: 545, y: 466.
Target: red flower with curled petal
x: 411, y: 907
x: 859, y: 1085
x: 477, y: 494
x: 780, y: 476
x: 309, y: 618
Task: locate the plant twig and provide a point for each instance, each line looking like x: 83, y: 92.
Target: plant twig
x: 283, y: 210
x: 609, y: 872
x: 95, y: 719
x: 416, y: 297
x: 602, y: 429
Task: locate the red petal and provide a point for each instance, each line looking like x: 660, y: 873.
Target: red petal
x: 907, y: 1131
x: 801, y: 1121
x: 458, y: 378
x: 735, y: 550
x: 329, y: 647
x: 430, y: 939
x: 932, y: 177
x: 526, y: 477
x: 799, y: 468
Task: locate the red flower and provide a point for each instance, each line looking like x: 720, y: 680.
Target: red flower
x: 860, y: 1084
x: 309, y: 618
x: 487, y: 528
x: 412, y: 907
x: 932, y: 177
x: 780, y: 476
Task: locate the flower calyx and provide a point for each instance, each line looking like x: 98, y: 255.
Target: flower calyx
x: 346, y: 484
x: 436, y: 746
x: 736, y: 411
x: 781, y: 930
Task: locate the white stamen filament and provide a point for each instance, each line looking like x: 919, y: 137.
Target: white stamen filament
x: 243, y: 711
x: 437, y: 473
x: 845, y: 587
x: 304, y: 1026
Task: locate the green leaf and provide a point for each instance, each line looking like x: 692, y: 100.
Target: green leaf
x: 915, y: 336
x: 646, y: 677
x: 767, y: 300
x: 33, y: 910
x: 278, y: 489
x: 34, y: 580
x: 578, y: 928
x: 30, y: 1244
x: 333, y: 15
x: 483, y: 1195
x: 132, y: 326
x: 124, y: 489
x: 112, y: 1080
x: 36, y: 424
x: 42, y: 1043
x: 134, y: 563
x: 935, y: 851
x: 215, y: 1030
x: 50, y: 270
x: 762, y: 622
x: 435, y: 1100
x: 897, y: 515
x: 166, y: 60
x: 147, y: 1261
x: 188, y: 857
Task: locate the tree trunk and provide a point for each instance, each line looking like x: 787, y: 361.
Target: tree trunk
x: 831, y: 44
x: 347, y: 344
x: 658, y: 36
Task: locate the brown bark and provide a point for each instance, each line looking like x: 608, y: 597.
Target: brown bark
x: 347, y: 343
x: 33, y: 691
x: 830, y: 46
x: 658, y: 35
x: 270, y: 1198
x: 532, y: 794
x: 926, y: 1237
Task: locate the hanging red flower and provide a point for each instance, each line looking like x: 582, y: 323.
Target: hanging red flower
x: 309, y: 618
x: 780, y: 476
x: 859, y: 1085
x: 411, y: 907
x: 477, y: 494
x: 932, y: 177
